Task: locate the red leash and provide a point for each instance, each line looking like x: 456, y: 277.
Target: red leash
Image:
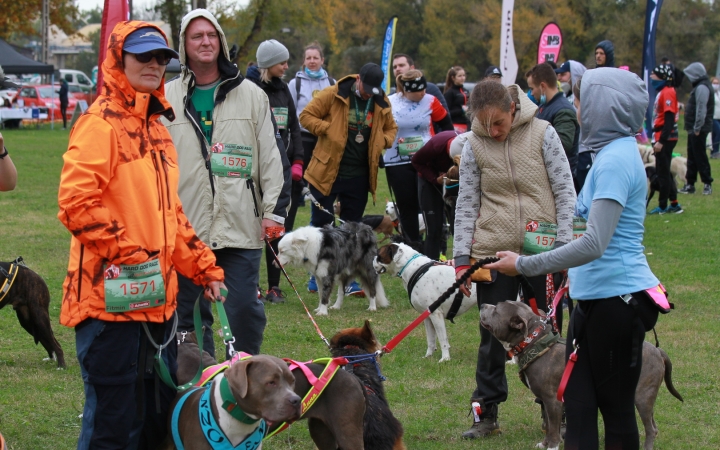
x: 317, y: 328
x: 566, y: 374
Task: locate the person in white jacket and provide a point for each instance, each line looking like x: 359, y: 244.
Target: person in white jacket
x: 232, y: 182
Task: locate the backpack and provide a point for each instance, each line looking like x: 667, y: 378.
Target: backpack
x: 298, y: 80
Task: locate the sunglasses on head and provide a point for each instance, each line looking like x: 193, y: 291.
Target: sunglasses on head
x: 162, y: 58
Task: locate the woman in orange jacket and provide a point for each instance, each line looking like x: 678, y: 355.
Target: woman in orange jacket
x: 118, y: 198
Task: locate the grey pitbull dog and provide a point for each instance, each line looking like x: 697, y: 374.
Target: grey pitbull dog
x: 511, y: 322
x: 263, y: 388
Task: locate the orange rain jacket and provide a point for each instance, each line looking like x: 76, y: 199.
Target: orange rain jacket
x: 118, y: 197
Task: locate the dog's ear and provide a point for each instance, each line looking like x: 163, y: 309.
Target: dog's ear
x: 518, y: 323
x: 239, y: 382
x: 367, y: 333
x: 393, y: 250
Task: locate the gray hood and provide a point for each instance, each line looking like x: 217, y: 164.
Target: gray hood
x: 576, y: 71
x: 695, y: 71
x: 614, y: 102
x: 194, y: 14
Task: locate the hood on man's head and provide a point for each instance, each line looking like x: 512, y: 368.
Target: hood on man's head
x: 205, y: 14
x: 609, y: 50
x: 695, y: 71
x: 614, y: 103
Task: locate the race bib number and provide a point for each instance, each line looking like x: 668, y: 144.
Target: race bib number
x: 410, y: 145
x: 133, y: 287
x: 539, y: 237
x: 231, y: 160
x: 281, y: 117
x: 579, y: 227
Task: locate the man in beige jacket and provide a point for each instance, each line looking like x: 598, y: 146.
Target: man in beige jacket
x: 231, y: 173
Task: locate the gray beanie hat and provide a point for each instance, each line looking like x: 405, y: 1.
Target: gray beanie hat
x: 270, y: 53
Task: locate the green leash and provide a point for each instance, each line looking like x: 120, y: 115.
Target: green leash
x: 161, y: 367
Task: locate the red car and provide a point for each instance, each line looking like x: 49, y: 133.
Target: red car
x: 42, y: 96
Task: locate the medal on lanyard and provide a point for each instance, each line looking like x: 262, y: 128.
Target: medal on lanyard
x: 361, y: 120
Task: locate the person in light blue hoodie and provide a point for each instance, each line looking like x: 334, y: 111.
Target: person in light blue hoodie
x: 609, y: 274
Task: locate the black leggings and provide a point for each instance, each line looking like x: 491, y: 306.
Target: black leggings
x: 403, y: 180
x: 432, y: 204
x: 668, y: 188
x: 604, y: 377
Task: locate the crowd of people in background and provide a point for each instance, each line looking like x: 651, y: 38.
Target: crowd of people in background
x: 228, y: 160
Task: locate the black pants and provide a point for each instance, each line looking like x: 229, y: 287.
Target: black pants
x: 308, y: 142
x: 433, y: 209
x: 273, y: 272
x: 668, y: 188
x: 63, y: 112
x: 604, y: 377
x: 697, y: 159
x: 353, y: 196
x: 491, y: 384
x: 403, y: 180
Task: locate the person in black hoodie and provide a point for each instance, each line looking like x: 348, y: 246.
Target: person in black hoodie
x: 456, y: 97
x: 272, y: 58
x: 605, y: 54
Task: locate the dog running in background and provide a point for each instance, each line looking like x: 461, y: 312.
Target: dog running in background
x: 382, y: 430
x: 30, y: 298
x: 335, y: 255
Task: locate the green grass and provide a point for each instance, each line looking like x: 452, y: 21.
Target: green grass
x: 39, y: 405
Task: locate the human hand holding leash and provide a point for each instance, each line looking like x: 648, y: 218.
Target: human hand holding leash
x: 657, y: 148
x: 506, y: 265
x: 215, y: 290
x: 268, y: 223
x: 465, y: 287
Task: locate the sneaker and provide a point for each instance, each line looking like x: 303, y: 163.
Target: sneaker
x: 260, y: 295
x: 675, y: 209
x: 687, y: 189
x: 715, y: 155
x: 658, y: 210
x: 275, y: 295
x: 707, y: 190
x: 312, y: 285
x: 485, y: 424
x: 354, y: 289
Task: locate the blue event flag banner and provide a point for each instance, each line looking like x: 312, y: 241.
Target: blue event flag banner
x: 388, y: 43
x: 652, y: 13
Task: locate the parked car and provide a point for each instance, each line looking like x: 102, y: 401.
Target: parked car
x: 42, y: 96
x: 79, y: 83
x: 79, y: 94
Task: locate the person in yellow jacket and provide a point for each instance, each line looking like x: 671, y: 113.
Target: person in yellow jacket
x: 118, y: 198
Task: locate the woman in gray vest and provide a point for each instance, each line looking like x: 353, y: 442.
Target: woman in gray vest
x: 516, y: 164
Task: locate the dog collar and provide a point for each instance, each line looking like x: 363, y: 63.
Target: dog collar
x: 9, y: 278
x: 230, y: 405
x: 529, y: 339
x: 416, y: 255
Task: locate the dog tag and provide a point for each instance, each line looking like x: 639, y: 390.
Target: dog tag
x: 359, y: 138
x: 130, y: 287
x: 539, y: 237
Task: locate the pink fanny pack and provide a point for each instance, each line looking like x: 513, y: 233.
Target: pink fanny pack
x: 658, y: 295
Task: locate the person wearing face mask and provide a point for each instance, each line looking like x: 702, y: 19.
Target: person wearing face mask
x: 665, y: 137
x: 308, y: 82
x: 556, y: 109
x: 456, y: 98
x: 415, y: 114
x: 715, y: 152
x: 567, y: 74
x: 272, y: 62
x: 515, y: 163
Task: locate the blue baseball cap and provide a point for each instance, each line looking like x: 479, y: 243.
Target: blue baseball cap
x: 145, y: 40
x: 565, y: 67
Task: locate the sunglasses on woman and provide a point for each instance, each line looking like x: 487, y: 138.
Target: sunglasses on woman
x: 162, y: 58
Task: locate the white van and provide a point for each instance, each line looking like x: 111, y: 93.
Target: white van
x: 77, y: 78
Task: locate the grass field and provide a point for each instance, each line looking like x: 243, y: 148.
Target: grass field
x: 39, y: 405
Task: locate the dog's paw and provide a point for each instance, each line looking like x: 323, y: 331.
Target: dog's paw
x: 372, y: 308
x: 540, y: 445
x: 336, y: 306
x: 444, y: 358
x: 321, y: 311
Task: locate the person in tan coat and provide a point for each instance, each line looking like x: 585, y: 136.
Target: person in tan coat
x: 354, y: 124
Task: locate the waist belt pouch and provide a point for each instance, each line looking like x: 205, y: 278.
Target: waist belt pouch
x: 646, y: 309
